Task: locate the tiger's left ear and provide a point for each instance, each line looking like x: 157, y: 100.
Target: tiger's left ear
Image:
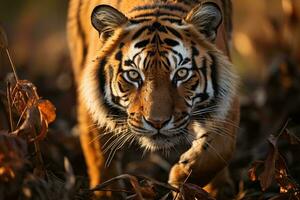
x: 106, y: 19
x: 206, y: 18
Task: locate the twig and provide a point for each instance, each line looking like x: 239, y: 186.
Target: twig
x: 177, y: 193
x: 283, y: 128
x: 132, y: 179
x: 8, y: 94
x: 167, y: 186
x: 12, y: 65
x: 117, y: 190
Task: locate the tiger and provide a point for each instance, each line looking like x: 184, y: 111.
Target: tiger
x: 159, y: 73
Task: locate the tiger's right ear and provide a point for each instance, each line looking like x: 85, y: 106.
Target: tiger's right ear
x: 106, y: 19
x: 206, y: 17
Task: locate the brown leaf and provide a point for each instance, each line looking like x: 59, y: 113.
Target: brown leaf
x: 23, y: 95
x: 43, y: 132
x: 147, y: 189
x: 191, y: 191
x: 29, y: 125
x: 3, y: 38
x: 47, y: 109
x: 290, y: 137
x: 267, y: 176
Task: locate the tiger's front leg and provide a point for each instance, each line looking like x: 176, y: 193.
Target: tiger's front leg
x: 205, y: 163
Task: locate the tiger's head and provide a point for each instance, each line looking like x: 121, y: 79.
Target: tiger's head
x: 157, y: 73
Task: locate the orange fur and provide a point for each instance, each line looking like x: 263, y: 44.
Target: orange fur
x: 84, y: 44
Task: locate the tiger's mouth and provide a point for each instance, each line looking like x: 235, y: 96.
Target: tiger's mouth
x: 161, y: 141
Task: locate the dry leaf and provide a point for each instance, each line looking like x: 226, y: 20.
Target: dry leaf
x: 47, y: 109
x: 291, y: 138
x: 30, y: 123
x: 191, y: 191
x: 147, y: 190
x: 267, y: 176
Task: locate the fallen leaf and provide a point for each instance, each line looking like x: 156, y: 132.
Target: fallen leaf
x: 47, y: 109
x: 30, y: 124
x: 147, y: 190
x: 191, y: 191
x: 290, y: 137
x: 267, y: 176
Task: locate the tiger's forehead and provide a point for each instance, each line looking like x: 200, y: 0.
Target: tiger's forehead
x: 160, y: 9
x: 157, y: 41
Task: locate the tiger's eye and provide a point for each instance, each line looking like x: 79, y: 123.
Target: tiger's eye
x: 133, y: 75
x: 182, y: 73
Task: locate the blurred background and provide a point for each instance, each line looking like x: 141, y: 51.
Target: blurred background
x: 265, y: 51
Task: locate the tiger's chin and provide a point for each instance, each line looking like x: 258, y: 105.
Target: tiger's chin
x: 161, y: 142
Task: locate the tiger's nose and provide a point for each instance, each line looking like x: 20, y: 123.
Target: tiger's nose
x: 157, y: 123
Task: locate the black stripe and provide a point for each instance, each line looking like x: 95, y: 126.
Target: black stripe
x: 161, y: 6
x: 185, y: 61
x: 195, y: 51
x: 203, y: 96
x: 203, y: 69
x: 139, y: 32
x: 186, y: 2
x: 101, y: 76
x: 214, y: 75
x: 174, y: 32
x: 102, y: 82
x: 81, y: 34
x: 182, y: 123
x: 154, y: 14
x: 171, y: 42
x: 137, y: 21
x: 176, y: 53
x: 172, y: 20
x: 137, y: 54
x: 156, y: 39
x: 115, y: 99
x: 128, y: 62
x: 147, y: 61
x: 157, y: 26
x: 119, y: 57
x: 167, y: 66
x: 194, y: 86
x: 142, y: 44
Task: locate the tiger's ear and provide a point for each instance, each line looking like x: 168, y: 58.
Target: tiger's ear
x: 206, y: 18
x: 106, y: 19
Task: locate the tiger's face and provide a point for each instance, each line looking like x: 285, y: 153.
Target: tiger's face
x: 155, y: 72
